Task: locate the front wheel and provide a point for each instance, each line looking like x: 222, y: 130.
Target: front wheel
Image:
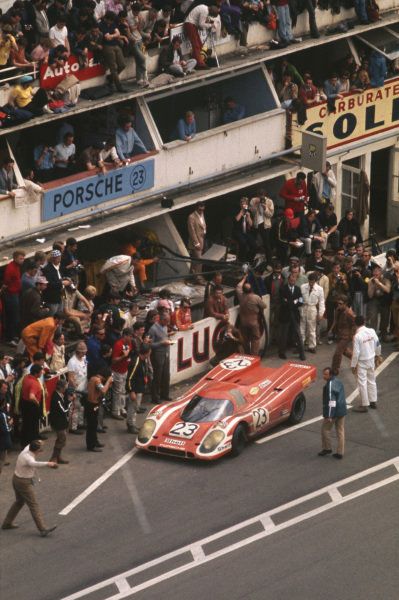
x: 239, y: 440
x: 298, y: 409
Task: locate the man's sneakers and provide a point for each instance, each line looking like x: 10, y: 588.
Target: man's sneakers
x: 360, y: 409
x: 45, y: 532
x: 9, y: 526
x: 373, y: 405
x: 325, y: 452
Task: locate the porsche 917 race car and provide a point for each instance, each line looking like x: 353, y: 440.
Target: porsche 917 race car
x: 234, y: 402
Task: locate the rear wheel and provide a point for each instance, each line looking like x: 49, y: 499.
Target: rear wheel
x: 298, y: 409
x: 239, y: 440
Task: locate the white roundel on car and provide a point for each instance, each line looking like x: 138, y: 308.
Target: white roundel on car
x: 235, y: 364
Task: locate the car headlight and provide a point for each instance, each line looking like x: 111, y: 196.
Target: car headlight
x: 146, y: 431
x: 212, y: 441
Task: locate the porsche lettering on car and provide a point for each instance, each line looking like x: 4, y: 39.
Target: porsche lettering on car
x: 234, y: 402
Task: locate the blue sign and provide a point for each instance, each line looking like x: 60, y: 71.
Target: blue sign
x: 96, y: 189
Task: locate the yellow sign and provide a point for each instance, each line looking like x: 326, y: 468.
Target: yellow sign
x: 357, y: 116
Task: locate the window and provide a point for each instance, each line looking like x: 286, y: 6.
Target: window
x: 385, y: 40
x: 350, y: 186
x: 206, y: 410
x: 250, y: 89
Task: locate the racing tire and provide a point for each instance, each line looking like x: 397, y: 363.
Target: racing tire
x: 298, y: 409
x: 239, y: 440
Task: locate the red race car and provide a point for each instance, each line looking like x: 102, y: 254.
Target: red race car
x: 234, y: 402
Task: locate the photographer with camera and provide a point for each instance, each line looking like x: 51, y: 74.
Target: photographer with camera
x: 199, y: 18
x: 262, y: 211
x: 70, y: 265
x: 379, y: 302
x: 242, y: 231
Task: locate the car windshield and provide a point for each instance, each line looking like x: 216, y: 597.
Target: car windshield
x: 203, y: 410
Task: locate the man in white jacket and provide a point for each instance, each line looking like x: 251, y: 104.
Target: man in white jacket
x: 312, y: 311
x: 366, y: 346
x: 326, y: 184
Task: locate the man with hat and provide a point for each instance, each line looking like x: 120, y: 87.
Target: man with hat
x: 39, y: 335
x: 32, y: 306
x: 23, y: 97
x: 77, y: 379
x: 53, y: 293
x: 196, y: 226
x: 293, y: 262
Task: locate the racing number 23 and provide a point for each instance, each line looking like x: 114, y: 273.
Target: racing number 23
x: 260, y: 417
x: 186, y: 430
x: 138, y: 177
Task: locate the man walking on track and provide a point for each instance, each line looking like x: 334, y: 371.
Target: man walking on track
x: 366, y: 346
x: 334, y: 411
x: 22, y: 483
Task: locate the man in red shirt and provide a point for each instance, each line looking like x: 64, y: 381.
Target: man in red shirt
x: 295, y: 193
x: 31, y: 399
x: 12, y: 279
x: 120, y: 362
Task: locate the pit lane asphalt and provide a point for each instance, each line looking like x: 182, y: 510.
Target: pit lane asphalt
x: 154, y: 504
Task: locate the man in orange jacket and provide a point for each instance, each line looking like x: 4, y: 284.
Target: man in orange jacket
x: 39, y: 335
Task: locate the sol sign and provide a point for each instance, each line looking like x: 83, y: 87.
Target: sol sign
x: 50, y: 78
x: 357, y: 116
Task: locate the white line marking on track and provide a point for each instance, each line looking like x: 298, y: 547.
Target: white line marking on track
x: 349, y: 401
x: 125, y: 458
x: 266, y: 518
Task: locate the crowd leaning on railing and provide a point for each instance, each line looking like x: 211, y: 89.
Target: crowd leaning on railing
x: 36, y: 33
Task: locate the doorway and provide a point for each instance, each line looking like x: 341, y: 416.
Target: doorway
x: 380, y: 161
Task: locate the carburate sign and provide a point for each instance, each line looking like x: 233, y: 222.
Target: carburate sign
x: 50, y: 77
x: 358, y: 116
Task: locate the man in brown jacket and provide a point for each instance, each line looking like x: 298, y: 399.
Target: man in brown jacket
x: 196, y: 238
x: 97, y: 388
x: 344, y: 329
x: 216, y: 305
x: 251, y: 313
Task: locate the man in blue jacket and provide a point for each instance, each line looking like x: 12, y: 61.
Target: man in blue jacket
x: 334, y: 411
